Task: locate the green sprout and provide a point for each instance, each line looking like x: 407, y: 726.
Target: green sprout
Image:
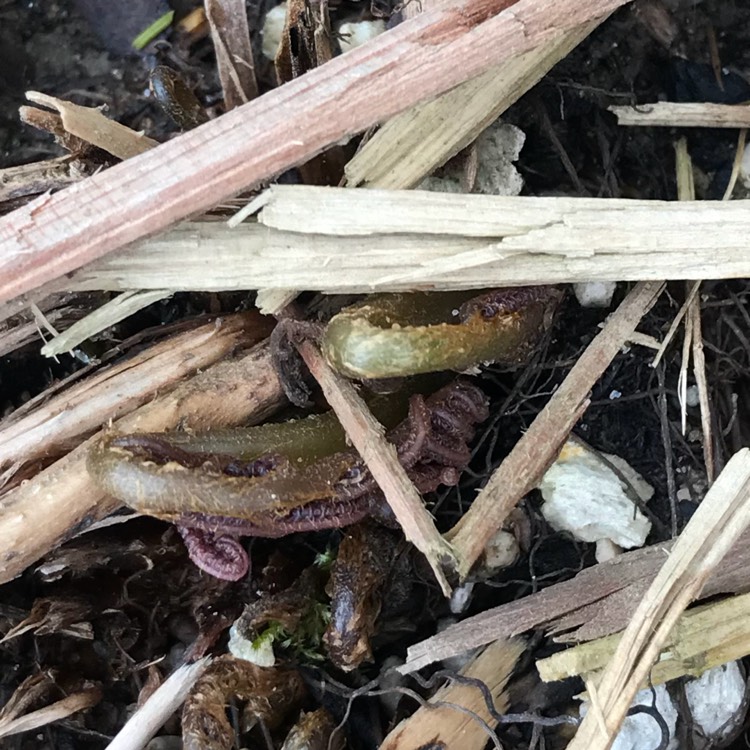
x: 153, y: 30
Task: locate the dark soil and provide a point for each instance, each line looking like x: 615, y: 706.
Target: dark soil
x: 136, y: 600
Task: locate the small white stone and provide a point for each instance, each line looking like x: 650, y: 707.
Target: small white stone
x: 606, y: 550
x: 501, y: 552
x: 595, y: 293
x: 585, y: 496
x: 692, y: 396
x: 497, y: 148
x: 260, y: 652
x: 353, y: 35
x: 273, y: 28
x: 461, y: 598
x: 715, y: 698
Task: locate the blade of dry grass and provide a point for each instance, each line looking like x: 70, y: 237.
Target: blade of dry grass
x: 103, y: 317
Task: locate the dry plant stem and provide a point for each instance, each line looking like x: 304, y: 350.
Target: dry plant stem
x: 67, y: 499
x: 714, y: 528
x: 150, y: 717
x: 684, y: 115
x: 413, y: 62
x: 57, y: 711
x: 439, y: 723
x: 599, y: 601
x: 406, y: 240
x: 535, y: 451
x: 62, y: 422
x: 367, y: 436
x: 675, y: 324
x: 736, y: 165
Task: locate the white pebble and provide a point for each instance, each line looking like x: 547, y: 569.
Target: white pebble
x: 595, y: 293
x: 353, y: 35
x: 273, y: 28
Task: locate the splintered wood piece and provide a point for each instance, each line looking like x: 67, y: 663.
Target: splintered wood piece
x: 413, y: 62
x: 524, y: 466
x: 344, y: 241
x: 45, y: 511
x: 234, y: 54
x: 703, y: 638
x: 90, y: 125
x: 450, y: 718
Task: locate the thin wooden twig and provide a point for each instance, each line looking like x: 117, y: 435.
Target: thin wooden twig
x: 368, y: 437
x: 524, y: 466
x: 684, y: 115
x: 413, y: 62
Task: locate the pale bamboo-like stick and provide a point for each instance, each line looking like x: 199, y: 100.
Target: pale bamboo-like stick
x: 684, y: 115
x: 703, y: 638
x: 413, y: 62
x: 368, y: 437
x: 341, y: 240
x: 524, y: 466
x: 63, y: 421
x: 44, y: 512
x: 717, y: 524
